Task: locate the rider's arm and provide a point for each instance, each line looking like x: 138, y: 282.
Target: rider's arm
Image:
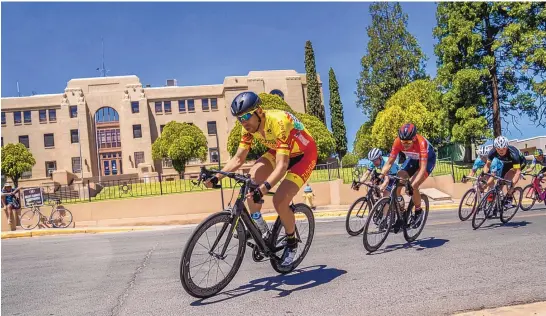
x: 532, y: 166
x: 365, y: 175
x: 281, y: 165
x: 487, y: 166
x: 236, y: 162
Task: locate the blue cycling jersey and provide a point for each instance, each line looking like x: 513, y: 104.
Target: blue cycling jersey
x: 496, y: 165
x: 393, y: 171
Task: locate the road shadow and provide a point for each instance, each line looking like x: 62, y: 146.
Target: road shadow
x: 418, y: 245
x: 303, y: 279
x: 509, y: 225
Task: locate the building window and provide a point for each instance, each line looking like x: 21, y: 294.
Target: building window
x: 213, y: 154
x: 17, y: 117
x: 167, y: 106
x: 277, y: 92
x: 167, y: 163
x: 158, y: 107
x: 49, y: 140
x: 214, y: 104
x: 161, y: 128
x: 27, y: 117
x: 76, y: 165
x: 137, y: 131
x: 52, y: 115
x: 74, y: 137
x: 181, y: 106
x: 73, y: 111
x: 191, y: 105
x: 139, y: 157
x: 3, y: 118
x: 26, y: 175
x: 109, y: 138
x: 135, y: 107
x: 205, y: 104
x: 43, y: 116
x: 50, y: 167
x: 24, y: 140
x: 211, y: 127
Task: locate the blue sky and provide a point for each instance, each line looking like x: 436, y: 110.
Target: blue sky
x: 46, y: 44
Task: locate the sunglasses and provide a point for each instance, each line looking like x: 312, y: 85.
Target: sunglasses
x: 407, y: 142
x: 245, y: 117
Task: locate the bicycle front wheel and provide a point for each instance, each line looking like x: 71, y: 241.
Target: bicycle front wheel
x: 529, y: 197
x: 356, y: 217
x: 486, y: 206
x: 378, y: 221
x: 305, y: 230
x: 61, y: 217
x: 467, y: 205
x: 202, y: 262
x: 30, y: 219
x: 507, y: 213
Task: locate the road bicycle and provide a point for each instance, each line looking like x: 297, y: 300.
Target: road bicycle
x: 60, y: 217
x: 356, y: 216
x: 471, y: 197
x: 230, y: 228
x: 396, y: 206
x: 533, y: 192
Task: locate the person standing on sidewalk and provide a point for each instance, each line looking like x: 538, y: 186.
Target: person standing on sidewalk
x: 10, y: 204
x: 308, y: 195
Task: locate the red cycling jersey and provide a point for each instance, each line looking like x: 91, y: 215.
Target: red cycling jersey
x: 418, y: 151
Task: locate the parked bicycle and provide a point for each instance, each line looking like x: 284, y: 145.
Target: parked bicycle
x: 395, y: 211
x: 471, y: 197
x: 356, y: 216
x: 60, y: 217
x: 236, y: 221
x: 533, y: 192
x: 496, y: 201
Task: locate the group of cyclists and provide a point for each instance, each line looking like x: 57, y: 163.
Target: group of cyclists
x: 292, y: 156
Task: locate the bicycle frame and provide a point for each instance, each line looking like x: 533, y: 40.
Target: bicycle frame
x: 497, y: 189
x: 394, y: 196
x: 536, y: 185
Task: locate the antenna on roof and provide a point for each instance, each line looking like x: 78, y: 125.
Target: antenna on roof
x: 103, y: 71
x: 18, y: 92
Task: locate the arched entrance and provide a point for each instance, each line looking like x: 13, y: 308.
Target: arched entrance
x: 108, y: 141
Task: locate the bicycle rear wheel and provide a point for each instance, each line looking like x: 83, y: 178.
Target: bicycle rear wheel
x: 61, y: 217
x: 507, y: 213
x: 356, y: 217
x: 411, y: 233
x: 198, y: 255
x: 30, y: 219
x: 305, y: 230
x: 467, y: 205
x: 529, y: 197
x: 484, y: 209
x: 373, y: 240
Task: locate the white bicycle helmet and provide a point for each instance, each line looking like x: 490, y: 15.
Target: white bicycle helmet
x: 374, y: 154
x: 501, y: 142
x: 482, y: 151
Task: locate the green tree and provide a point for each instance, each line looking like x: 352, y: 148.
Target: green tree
x: 419, y: 103
x: 363, y: 141
x: 471, y: 128
x: 504, y: 43
x: 16, y: 159
x: 326, y: 143
x: 315, y: 106
x: 336, y: 112
x: 349, y: 160
x: 180, y: 142
x: 393, y: 58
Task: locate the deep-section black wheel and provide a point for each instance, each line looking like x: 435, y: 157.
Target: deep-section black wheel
x: 356, y: 217
x: 468, y: 204
x: 199, y: 257
x: 508, y: 212
x: 412, y: 231
x: 484, y: 208
x: 377, y: 220
x: 305, y: 230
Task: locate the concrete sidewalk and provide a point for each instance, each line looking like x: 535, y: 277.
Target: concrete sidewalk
x: 151, y: 223
x: 538, y: 308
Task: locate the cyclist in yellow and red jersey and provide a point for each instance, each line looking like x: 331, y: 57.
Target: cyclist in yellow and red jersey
x: 419, y: 164
x: 292, y: 152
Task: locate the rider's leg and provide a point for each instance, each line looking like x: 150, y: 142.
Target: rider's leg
x: 510, y: 177
x: 258, y: 173
x: 281, y: 200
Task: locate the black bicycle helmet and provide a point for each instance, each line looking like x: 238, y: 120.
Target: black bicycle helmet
x: 245, y: 102
x: 407, y: 131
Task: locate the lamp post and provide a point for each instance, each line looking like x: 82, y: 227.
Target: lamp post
x: 219, y: 166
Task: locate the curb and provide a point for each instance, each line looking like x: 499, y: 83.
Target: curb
x: 35, y: 233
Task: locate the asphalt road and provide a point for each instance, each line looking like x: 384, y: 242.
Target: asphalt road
x: 450, y: 268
